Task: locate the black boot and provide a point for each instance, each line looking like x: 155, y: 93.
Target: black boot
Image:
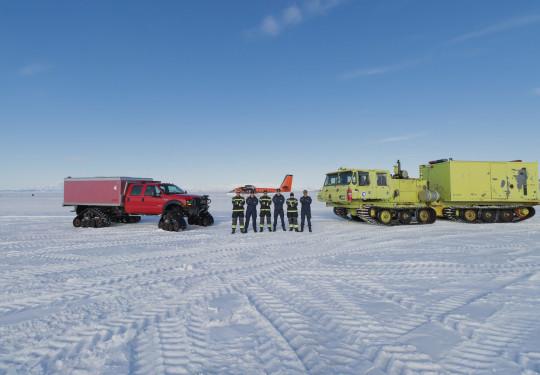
x: 296, y: 230
x: 270, y: 229
x: 290, y: 229
x: 310, y: 228
x: 284, y: 229
x: 233, y: 230
x: 261, y: 230
x: 255, y: 230
x: 274, y: 229
x: 244, y: 230
x: 302, y: 229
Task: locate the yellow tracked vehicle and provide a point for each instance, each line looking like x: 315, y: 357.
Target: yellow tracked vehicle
x: 465, y: 191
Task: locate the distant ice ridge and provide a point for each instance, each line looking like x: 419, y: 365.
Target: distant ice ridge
x: 56, y: 187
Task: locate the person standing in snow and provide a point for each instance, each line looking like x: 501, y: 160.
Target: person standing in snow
x: 305, y: 211
x: 278, y: 201
x: 238, y: 211
x: 251, y: 212
x: 265, y: 201
x: 292, y: 213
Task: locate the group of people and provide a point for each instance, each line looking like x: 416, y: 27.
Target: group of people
x: 278, y: 200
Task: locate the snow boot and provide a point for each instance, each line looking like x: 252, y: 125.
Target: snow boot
x: 302, y: 229
x: 290, y: 229
x: 255, y: 230
x: 296, y: 230
x: 233, y: 231
x: 310, y: 228
x: 284, y: 229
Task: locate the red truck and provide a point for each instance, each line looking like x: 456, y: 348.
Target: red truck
x: 99, y: 201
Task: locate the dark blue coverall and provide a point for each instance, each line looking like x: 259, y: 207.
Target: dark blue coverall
x: 279, y: 201
x: 251, y: 212
x: 305, y: 212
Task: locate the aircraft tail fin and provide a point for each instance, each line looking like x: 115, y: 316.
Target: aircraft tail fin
x: 286, y: 185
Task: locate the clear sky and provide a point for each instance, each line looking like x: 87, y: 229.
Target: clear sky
x: 216, y: 93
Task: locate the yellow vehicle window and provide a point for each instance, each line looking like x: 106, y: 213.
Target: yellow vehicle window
x: 331, y: 180
x: 363, y: 178
x: 381, y: 179
x: 345, y: 178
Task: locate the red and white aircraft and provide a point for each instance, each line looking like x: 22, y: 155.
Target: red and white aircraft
x: 286, y: 186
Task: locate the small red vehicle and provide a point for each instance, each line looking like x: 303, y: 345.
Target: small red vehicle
x: 99, y: 201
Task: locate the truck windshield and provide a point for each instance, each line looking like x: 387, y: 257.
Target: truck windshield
x: 330, y: 179
x: 345, y: 178
x: 171, y: 189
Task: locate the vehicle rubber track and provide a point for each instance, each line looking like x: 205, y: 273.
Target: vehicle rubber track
x: 172, y: 221
x: 92, y: 217
x: 456, y: 213
x: 365, y: 213
x: 341, y: 212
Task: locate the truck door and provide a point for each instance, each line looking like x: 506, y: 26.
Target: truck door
x: 152, y: 201
x: 382, y: 188
x: 364, y: 185
x: 134, y: 199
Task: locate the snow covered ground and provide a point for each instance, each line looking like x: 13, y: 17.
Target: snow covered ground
x: 349, y: 298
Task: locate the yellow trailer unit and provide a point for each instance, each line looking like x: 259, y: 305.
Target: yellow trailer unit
x: 485, y: 191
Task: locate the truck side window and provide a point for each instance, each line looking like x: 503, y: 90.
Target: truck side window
x: 381, y: 179
x: 363, y: 178
x: 150, y: 189
x: 354, y: 178
x: 136, y: 190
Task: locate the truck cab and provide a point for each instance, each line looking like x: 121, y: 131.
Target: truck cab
x: 348, y: 185
x: 156, y: 198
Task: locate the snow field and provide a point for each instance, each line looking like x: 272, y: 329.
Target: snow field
x: 349, y: 298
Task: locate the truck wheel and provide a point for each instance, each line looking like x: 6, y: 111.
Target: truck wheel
x: 469, y: 215
x: 98, y: 223
x: 191, y: 220
x: 521, y: 212
x: 385, y: 216
x: 77, y: 222
x: 506, y: 216
x: 404, y: 217
x: 422, y: 215
x: 160, y: 223
x: 488, y: 216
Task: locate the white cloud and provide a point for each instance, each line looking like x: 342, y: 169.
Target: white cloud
x: 499, y: 28
x: 401, y: 138
x: 273, y: 25
x: 30, y: 70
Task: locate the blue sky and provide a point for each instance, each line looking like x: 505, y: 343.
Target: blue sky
x: 214, y: 93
